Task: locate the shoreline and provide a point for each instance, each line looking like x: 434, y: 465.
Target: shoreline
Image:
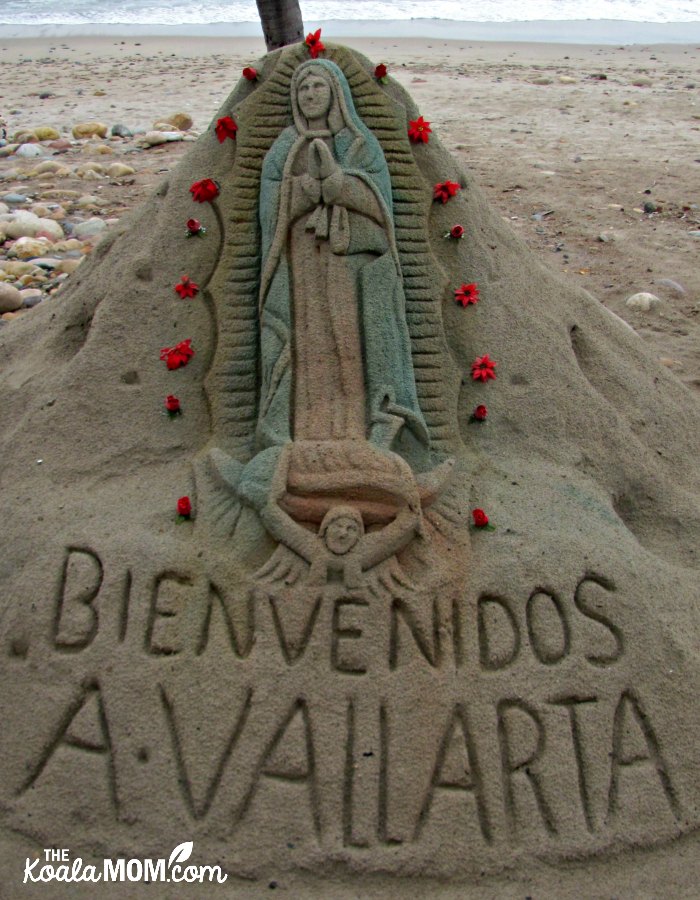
x: 583, y: 31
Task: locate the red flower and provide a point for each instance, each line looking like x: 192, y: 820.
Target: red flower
x: 194, y: 226
x: 172, y: 404
x: 467, y: 294
x: 187, y: 288
x: 250, y: 73
x: 456, y: 232
x: 205, y: 190
x: 481, y: 520
x: 184, y: 507
x: 480, y: 413
x: 444, y: 190
x: 483, y: 368
x: 313, y: 42
x: 226, y: 128
x: 179, y: 355
x: 380, y: 72
x: 418, y: 130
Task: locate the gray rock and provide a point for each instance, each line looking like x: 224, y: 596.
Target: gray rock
x: 694, y: 234
x: 672, y: 285
x: 89, y: 229
x: 14, y: 198
x: 121, y: 131
x: 10, y: 298
x: 31, y: 298
x: 643, y: 301
x: 21, y: 224
x: 46, y: 262
x: 29, y: 151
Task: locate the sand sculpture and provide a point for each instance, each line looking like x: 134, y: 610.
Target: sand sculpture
x: 326, y: 671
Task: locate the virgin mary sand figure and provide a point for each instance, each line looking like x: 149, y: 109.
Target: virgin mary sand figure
x: 336, y: 354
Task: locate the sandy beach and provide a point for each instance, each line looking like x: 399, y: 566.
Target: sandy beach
x: 590, y: 152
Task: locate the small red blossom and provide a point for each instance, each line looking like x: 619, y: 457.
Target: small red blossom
x: 179, y: 355
x: 172, y: 404
x: 380, y: 72
x: 467, y: 294
x: 186, y: 288
x: 418, y: 130
x: 444, y: 190
x: 250, y: 73
x: 184, y: 507
x: 481, y: 520
x: 194, y: 227
x: 483, y: 368
x: 480, y: 413
x: 226, y: 128
x: 456, y: 232
x: 313, y: 42
x: 205, y: 190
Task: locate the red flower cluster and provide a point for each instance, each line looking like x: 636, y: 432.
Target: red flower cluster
x: 444, y: 190
x: 172, y: 404
x: 380, y: 72
x: 313, y: 42
x: 250, y: 73
x: 226, y: 128
x: 184, y: 507
x: 481, y: 520
x: 456, y: 232
x: 480, y: 413
x: 194, y: 226
x: 483, y: 368
x: 179, y: 355
x: 204, y: 191
x: 186, y: 288
x: 418, y: 130
x: 467, y: 294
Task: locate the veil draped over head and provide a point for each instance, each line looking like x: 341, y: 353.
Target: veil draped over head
x: 352, y: 267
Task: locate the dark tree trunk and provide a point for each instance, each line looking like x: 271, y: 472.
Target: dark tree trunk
x: 281, y: 22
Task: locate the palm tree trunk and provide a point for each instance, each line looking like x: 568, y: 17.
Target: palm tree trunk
x: 281, y: 22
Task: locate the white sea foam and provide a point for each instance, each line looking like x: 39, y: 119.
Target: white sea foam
x: 191, y: 12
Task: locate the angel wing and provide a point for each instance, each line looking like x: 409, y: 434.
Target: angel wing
x: 284, y: 567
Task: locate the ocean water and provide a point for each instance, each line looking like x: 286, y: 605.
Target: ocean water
x: 204, y: 12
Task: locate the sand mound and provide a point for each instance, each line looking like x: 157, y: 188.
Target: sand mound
x: 530, y: 703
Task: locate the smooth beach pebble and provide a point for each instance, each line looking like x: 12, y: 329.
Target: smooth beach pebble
x: 121, y: 131
x: 31, y: 297
x: 89, y: 129
x: 89, y: 229
x: 119, y: 170
x: 28, y: 247
x: 672, y: 285
x: 16, y: 268
x: 48, y: 166
x: 29, y: 151
x: 46, y: 133
x: 10, y: 298
x: 643, y: 301
x: 21, y: 224
x: 69, y: 265
x: 90, y: 171
x: 180, y: 120
x: 154, y: 138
